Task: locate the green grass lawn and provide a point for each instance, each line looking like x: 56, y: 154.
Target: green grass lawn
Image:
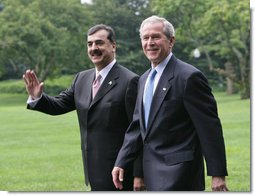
x: 38, y: 152
x: 42, y: 153
x: 235, y: 117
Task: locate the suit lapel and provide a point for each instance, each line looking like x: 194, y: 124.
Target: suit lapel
x: 109, y: 82
x: 164, y: 85
x: 140, y: 95
x: 88, y: 85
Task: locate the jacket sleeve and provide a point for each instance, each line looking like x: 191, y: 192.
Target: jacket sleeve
x: 60, y: 104
x: 131, y: 96
x: 202, y: 109
x: 131, y: 150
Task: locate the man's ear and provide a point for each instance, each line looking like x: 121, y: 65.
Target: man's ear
x: 114, y: 47
x: 172, y: 41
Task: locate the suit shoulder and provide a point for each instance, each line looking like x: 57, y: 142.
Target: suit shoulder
x: 185, y: 69
x: 125, y: 71
x: 85, y: 72
x: 186, y: 66
x: 185, y: 72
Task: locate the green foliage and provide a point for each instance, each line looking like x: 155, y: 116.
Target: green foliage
x: 49, y: 36
x: 12, y: 86
x: 52, y: 86
x: 42, y: 35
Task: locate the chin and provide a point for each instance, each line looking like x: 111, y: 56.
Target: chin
x: 96, y: 61
x: 152, y: 57
x: 154, y: 60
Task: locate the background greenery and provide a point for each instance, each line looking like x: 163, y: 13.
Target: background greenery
x: 42, y: 153
x: 49, y: 36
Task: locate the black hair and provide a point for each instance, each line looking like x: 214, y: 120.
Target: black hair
x: 111, y: 36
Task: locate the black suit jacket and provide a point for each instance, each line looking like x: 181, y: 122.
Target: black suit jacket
x: 183, y: 126
x: 103, y: 121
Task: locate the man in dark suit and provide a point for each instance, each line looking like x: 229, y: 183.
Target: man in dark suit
x: 104, y: 108
x: 182, y: 125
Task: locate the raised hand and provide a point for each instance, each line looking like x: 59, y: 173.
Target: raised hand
x: 33, y: 86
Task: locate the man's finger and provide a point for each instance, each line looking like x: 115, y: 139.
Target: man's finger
x: 25, y: 79
x: 34, y: 76
x: 116, y: 178
x: 121, y: 175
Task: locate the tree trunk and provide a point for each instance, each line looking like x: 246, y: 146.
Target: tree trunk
x: 229, y: 69
x: 230, y: 86
x: 245, y: 82
x: 245, y: 72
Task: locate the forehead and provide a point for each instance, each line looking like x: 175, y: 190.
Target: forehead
x: 99, y: 35
x: 152, y: 28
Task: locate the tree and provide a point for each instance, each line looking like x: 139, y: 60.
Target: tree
x: 229, y: 21
x: 221, y: 30
x: 43, y: 35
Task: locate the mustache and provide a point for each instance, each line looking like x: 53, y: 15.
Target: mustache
x: 152, y: 48
x: 96, y: 52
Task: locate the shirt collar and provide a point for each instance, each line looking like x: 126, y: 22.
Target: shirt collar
x: 161, y: 66
x: 103, y: 72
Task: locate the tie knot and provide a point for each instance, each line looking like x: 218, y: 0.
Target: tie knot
x: 153, y: 73
x: 97, y: 80
x: 98, y: 77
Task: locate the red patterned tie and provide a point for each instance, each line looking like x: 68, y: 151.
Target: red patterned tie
x: 96, y: 85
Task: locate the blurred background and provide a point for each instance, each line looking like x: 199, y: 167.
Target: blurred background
x: 49, y: 36
x: 42, y: 153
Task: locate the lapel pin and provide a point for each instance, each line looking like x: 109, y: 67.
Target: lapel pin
x: 110, y: 83
x: 164, y: 89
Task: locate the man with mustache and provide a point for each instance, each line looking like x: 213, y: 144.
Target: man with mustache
x: 104, y: 98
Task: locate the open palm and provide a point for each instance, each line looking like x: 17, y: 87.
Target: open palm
x: 33, y: 86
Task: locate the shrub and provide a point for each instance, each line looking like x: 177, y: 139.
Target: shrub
x: 52, y: 86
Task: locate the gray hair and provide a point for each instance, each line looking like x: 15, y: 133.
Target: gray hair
x: 168, y: 28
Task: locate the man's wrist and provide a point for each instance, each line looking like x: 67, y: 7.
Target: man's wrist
x: 31, y: 100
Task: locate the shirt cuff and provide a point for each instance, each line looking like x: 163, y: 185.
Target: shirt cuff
x: 33, y: 102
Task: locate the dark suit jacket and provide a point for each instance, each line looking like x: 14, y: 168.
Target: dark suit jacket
x: 183, y: 126
x: 103, y: 121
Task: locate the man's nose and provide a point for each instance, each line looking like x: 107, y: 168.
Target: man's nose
x: 151, y: 41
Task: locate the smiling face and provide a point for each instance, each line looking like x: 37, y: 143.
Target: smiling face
x: 101, y: 50
x: 156, y: 46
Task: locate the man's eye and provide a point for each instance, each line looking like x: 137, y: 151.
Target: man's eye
x: 99, y: 43
x: 89, y: 43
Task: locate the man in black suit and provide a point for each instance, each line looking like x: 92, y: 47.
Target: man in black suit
x: 103, y: 115
x: 182, y: 125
